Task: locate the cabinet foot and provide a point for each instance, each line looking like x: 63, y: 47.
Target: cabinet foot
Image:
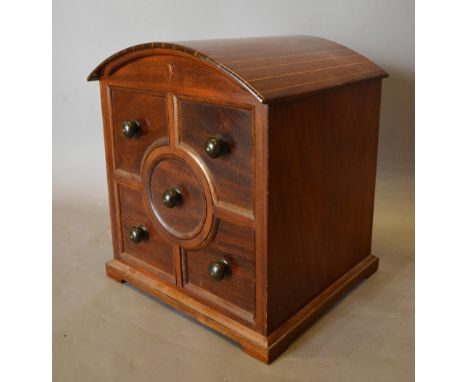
x: 265, y: 349
x: 113, y: 274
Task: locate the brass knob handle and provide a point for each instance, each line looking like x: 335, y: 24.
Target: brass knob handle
x: 219, y: 269
x: 138, y: 234
x: 131, y: 129
x: 215, y: 147
x: 172, y: 198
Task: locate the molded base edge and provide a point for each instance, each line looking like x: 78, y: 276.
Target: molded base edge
x: 265, y: 349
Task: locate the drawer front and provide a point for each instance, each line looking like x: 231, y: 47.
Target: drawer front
x: 152, y: 250
x: 148, y: 110
x: 186, y: 218
x: 235, y: 292
x: 231, y: 171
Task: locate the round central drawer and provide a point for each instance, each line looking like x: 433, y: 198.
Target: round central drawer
x: 177, y: 198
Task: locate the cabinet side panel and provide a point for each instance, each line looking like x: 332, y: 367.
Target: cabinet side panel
x: 112, y: 189
x: 261, y: 214
x: 322, y: 165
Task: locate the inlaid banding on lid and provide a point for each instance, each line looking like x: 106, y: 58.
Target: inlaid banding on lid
x: 269, y: 68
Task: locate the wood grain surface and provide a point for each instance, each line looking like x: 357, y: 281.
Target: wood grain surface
x: 321, y: 192
x: 273, y: 68
x: 153, y: 254
x: 149, y: 110
x: 232, y: 173
x: 184, y: 220
x: 236, y: 245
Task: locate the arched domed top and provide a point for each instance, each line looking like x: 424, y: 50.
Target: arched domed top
x: 272, y: 68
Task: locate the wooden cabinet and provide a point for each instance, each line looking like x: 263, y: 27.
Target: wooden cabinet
x: 241, y: 178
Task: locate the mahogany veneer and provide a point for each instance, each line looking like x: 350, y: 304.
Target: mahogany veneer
x: 241, y: 178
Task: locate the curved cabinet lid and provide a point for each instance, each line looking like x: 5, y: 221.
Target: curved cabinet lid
x: 273, y: 68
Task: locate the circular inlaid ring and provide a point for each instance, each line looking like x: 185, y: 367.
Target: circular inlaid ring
x: 167, y: 170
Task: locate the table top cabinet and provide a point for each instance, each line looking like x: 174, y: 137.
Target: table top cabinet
x: 241, y: 178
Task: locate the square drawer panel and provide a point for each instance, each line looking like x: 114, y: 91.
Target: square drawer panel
x: 155, y: 253
x: 232, y: 172
x: 149, y: 111
x: 235, y: 293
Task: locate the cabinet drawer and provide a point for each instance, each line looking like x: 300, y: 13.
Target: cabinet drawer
x: 151, y: 252
x: 232, y: 171
x: 234, y: 293
x: 138, y: 108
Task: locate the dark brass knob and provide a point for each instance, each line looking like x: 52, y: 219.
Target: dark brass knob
x: 138, y: 234
x: 215, y: 147
x: 219, y: 269
x: 131, y: 129
x: 172, y: 198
